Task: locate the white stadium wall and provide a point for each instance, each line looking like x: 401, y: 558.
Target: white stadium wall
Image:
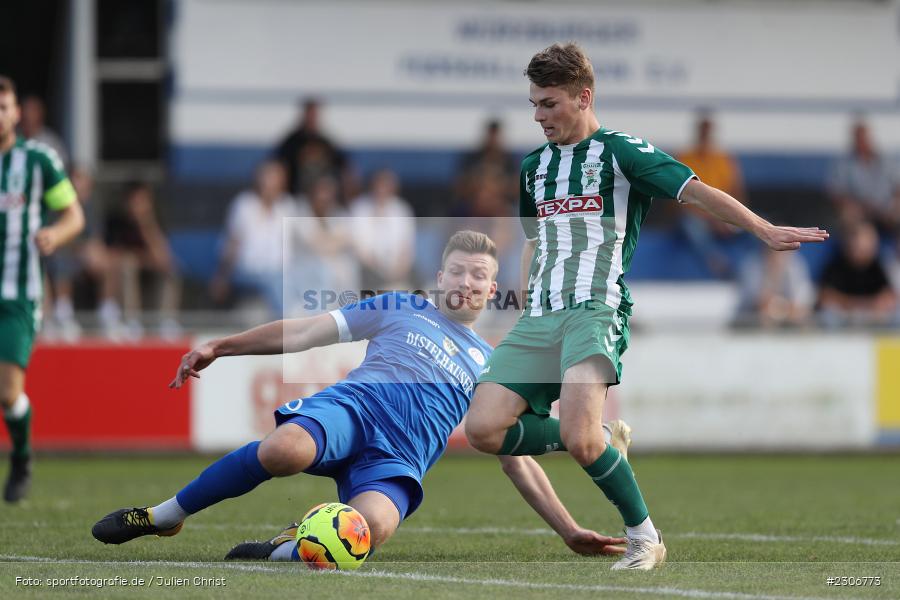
x: 681, y: 391
x: 783, y: 76
x: 692, y: 392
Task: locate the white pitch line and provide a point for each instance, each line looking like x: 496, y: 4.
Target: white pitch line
x: 758, y: 537
x: 664, y: 591
x: 748, y: 537
x: 139, y: 563
x: 264, y: 529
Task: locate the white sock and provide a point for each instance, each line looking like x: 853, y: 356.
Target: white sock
x: 168, y: 514
x: 644, y: 530
x: 283, y: 552
x: 18, y: 409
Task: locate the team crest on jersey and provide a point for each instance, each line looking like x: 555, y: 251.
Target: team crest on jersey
x: 590, y: 177
x: 450, y: 347
x: 477, y: 356
x: 570, y: 205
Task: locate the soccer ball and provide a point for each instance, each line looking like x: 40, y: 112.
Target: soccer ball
x: 333, y: 536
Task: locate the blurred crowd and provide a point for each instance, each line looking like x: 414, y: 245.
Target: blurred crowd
x: 309, y: 221
x: 860, y: 281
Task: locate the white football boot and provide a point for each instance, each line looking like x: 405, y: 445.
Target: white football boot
x: 642, y: 554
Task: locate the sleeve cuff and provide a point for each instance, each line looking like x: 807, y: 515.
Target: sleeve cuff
x: 344, y: 334
x: 683, y: 185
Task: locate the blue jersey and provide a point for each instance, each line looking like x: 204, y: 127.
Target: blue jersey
x: 419, y: 373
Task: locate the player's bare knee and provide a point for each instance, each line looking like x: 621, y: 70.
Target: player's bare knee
x: 380, y: 531
x: 8, y: 395
x: 380, y: 514
x: 279, y: 457
x: 484, y: 436
x: 585, y: 451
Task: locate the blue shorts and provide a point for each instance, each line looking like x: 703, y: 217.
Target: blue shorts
x: 352, y: 451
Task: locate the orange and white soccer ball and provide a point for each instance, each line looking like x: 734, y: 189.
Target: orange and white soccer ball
x: 333, y: 536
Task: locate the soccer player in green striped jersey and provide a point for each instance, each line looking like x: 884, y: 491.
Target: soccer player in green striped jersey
x: 584, y: 195
x: 32, y: 183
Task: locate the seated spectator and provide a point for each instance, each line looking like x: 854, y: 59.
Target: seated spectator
x: 490, y: 159
x: 308, y: 154
x: 865, y: 185
x: 138, y: 248
x: 384, y: 234
x: 714, y: 166
x: 855, y: 289
x: 85, y: 256
x: 33, y: 126
x: 321, y: 257
x: 486, y: 210
x: 776, y: 290
x: 252, y: 258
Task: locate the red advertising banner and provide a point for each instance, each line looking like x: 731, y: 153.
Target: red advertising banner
x: 98, y: 395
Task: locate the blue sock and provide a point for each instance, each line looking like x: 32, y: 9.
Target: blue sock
x: 231, y: 476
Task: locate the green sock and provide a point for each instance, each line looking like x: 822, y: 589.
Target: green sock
x: 20, y: 433
x: 614, y: 476
x: 532, y: 435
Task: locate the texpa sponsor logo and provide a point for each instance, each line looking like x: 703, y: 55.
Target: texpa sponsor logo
x: 571, y: 205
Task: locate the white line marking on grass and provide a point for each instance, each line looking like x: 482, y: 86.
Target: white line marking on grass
x: 745, y: 537
x: 139, y: 563
x: 665, y: 591
x: 268, y: 529
x: 748, y: 537
x: 758, y: 537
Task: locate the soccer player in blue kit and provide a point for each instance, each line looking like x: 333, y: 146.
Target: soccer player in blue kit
x: 376, y: 432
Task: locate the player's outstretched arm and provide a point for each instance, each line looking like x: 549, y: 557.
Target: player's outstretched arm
x: 534, y: 486
x: 277, y: 337
x: 725, y: 208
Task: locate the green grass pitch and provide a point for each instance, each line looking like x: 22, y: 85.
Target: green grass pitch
x: 737, y: 528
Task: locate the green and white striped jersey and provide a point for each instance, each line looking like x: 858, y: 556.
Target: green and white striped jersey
x: 32, y: 180
x: 585, y: 204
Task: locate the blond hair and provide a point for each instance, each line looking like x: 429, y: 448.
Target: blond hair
x: 471, y: 242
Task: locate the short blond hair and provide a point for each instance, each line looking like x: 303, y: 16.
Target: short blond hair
x: 471, y: 242
x: 562, y: 65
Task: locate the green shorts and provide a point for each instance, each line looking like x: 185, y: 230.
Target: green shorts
x: 19, y: 321
x: 533, y: 357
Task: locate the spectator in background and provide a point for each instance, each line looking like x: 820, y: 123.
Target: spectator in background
x: 85, y: 256
x: 33, y: 126
x: 717, y: 168
x: 776, y: 290
x: 308, y: 154
x: 384, y: 234
x: 864, y: 185
x: 321, y: 257
x: 138, y: 247
x: 490, y: 159
x: 252, y: 258
x: 854, y: 289
x: 487, y: 210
